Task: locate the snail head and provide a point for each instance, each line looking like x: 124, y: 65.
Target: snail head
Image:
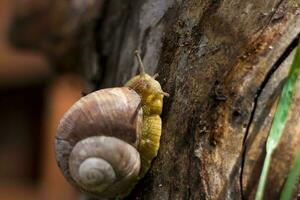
x: 144, y: 84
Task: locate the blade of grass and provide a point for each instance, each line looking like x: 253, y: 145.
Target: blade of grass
x: 292, y: 179
x: 279, y: 120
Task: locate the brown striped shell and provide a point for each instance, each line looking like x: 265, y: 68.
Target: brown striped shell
x: 97, y: 139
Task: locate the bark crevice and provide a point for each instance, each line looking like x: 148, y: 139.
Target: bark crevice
x: 277, y: 64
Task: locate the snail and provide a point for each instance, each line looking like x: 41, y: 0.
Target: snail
x: 106, y: 141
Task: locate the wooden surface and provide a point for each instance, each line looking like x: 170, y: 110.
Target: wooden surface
x: 18, y: 67
x: 28, y: 167
x: 214, y: 58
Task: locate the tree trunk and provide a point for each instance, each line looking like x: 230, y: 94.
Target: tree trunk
x: 223, y: 64
x: 215, y: 59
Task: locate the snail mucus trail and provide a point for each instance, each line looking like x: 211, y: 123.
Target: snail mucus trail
x: 106, y: 141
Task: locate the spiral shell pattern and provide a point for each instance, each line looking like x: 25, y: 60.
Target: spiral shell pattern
x: 104, y: 164
x: 97, y: 139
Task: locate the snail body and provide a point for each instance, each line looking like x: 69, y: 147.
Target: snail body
x: 106, y: 141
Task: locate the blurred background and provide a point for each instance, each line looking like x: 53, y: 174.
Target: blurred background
x: 34, y: 94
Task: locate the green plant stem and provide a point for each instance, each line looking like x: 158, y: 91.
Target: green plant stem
x: 263, y: 177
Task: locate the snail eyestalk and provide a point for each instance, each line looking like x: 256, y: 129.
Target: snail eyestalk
x: 164, y: 93
x: 141, y: 65
x: 155, y: 76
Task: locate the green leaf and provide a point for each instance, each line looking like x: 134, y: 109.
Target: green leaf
x: 279, y: 120
x: 292, y: 179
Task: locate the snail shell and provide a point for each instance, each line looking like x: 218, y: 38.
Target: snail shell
x: 106, y: 142
x: 97, y: 139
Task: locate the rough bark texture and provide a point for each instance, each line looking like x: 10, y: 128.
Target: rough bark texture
x: 222, y: 62
x: 214, y: 59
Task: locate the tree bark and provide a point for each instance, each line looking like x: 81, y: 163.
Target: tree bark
x: 223, y: 64
x: 215, y: 59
